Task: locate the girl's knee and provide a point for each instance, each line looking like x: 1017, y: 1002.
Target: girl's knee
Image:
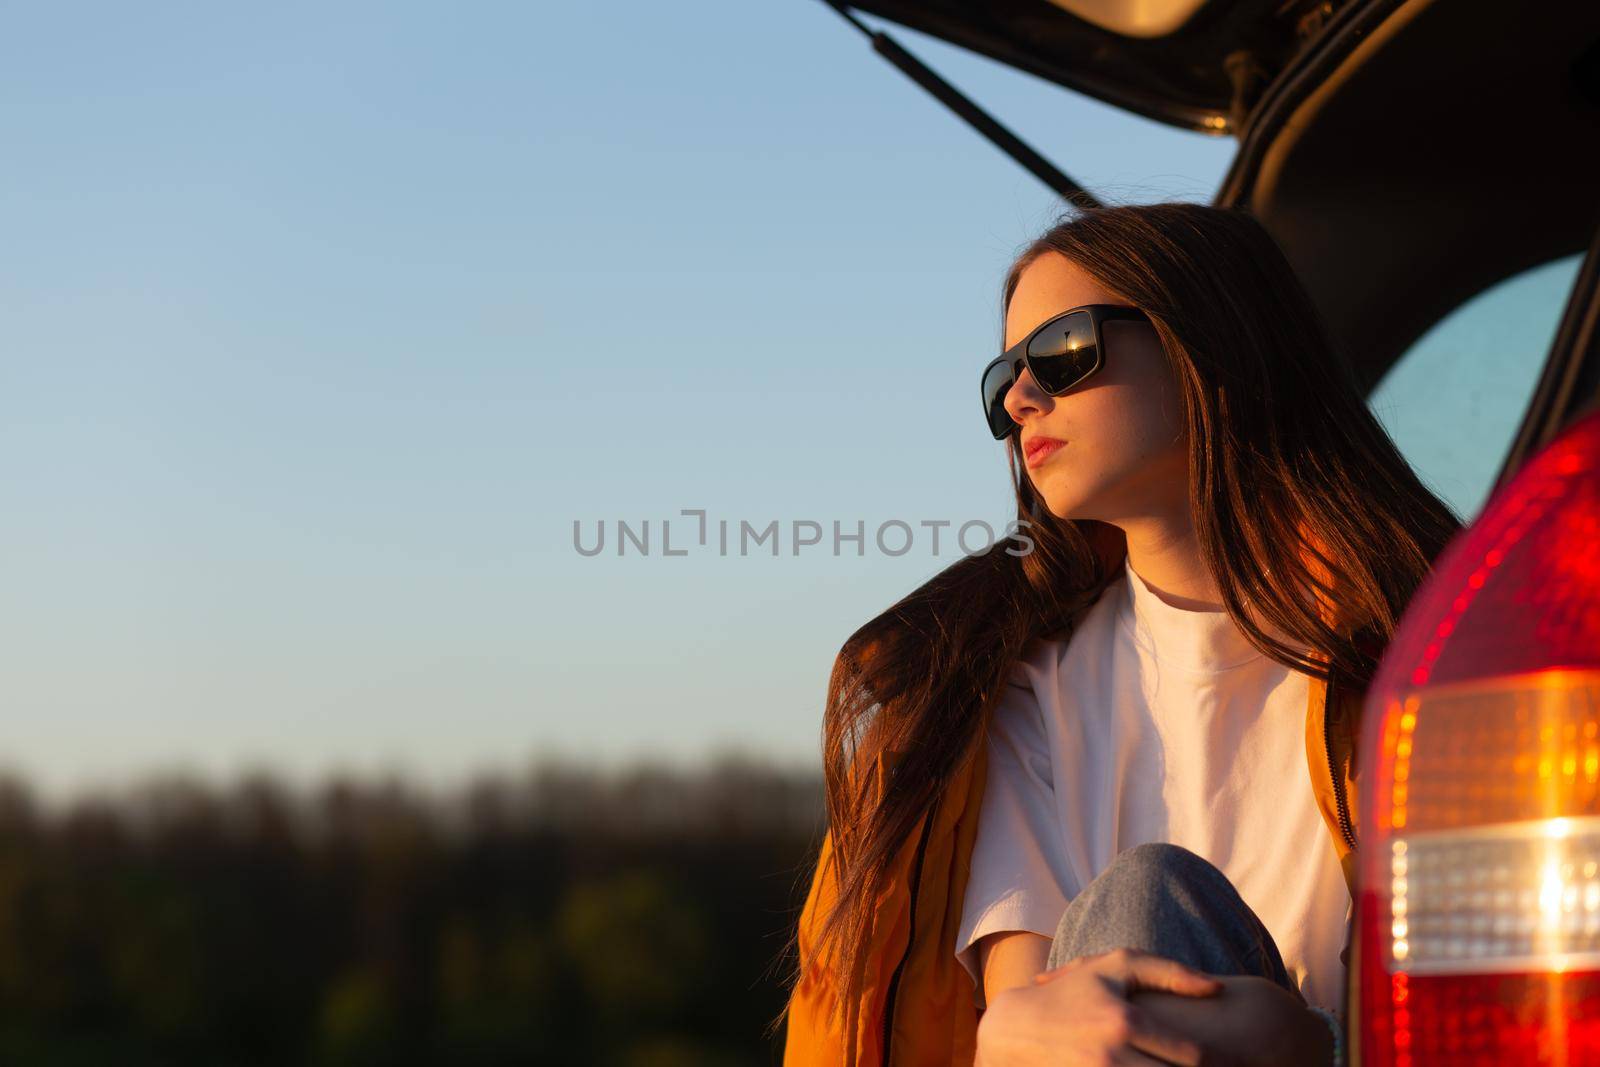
x: 1157, y: 862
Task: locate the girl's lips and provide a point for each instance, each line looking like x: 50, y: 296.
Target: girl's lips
x: 1041, y: 450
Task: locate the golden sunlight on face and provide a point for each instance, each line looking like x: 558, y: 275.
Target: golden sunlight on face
x: 1123, y: 456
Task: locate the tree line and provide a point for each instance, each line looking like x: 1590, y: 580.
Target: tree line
x: 564, y: 916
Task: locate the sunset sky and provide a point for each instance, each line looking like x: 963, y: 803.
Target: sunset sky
x: 322, y: 327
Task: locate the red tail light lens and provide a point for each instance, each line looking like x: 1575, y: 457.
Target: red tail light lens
x: 1480, y: 823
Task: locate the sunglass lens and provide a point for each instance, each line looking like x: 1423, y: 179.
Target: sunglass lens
x: 997, y: 381
x: 1063, y: 353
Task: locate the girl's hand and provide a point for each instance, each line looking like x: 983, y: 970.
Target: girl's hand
x: 1253, y: 1022
x: 1128, y: 1007
x: 1083, y: 1013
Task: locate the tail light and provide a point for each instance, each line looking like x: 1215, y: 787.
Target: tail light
x: 1479, y: 906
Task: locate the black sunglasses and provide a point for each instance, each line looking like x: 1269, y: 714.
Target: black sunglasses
x: 1060, y: 352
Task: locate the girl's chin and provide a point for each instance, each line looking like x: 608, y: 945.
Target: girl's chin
x: 1065, y: 504
x: 1056, y: 493
x: 1063, y: 508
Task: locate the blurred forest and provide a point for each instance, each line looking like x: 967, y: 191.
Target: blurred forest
x: 633, y: 918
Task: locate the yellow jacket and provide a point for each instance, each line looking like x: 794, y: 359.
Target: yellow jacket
x: 916, y: 1007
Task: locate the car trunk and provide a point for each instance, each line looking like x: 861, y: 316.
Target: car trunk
x: 1406, y: 154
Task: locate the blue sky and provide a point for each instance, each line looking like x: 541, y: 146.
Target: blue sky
x: 323, y: 326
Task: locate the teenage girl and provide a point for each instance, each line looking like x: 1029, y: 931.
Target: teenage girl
x: 1091, y: 794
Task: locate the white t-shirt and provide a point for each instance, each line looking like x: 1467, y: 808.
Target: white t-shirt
x: 1155, y: 723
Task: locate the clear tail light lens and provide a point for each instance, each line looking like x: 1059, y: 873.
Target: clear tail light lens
x: 1479, y: 936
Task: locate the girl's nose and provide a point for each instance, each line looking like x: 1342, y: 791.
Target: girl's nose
x: 1024, y: 398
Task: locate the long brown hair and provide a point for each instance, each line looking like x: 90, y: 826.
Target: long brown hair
x: 1301, y: 503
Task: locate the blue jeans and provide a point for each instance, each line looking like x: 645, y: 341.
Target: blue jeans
x: 1166, y: 900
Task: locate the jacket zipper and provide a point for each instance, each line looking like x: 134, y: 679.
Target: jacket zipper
x: 1339, y: 799
x: 894, y: 979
